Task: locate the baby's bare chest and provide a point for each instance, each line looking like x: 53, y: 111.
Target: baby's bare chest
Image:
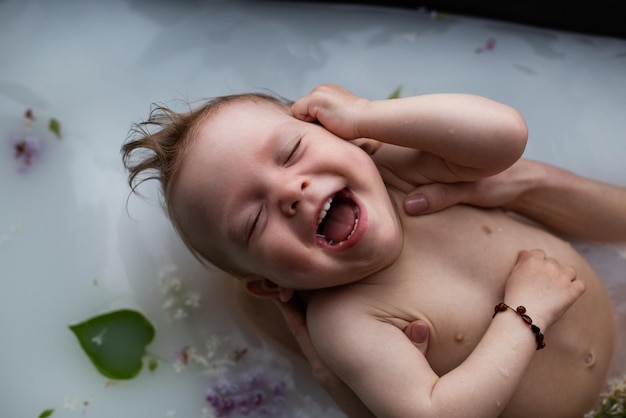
x: 453, y: 272
x: 456, y: 306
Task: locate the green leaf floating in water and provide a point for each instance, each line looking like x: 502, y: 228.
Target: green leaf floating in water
x: 46, y: 413
x: 396, y: 93
x: 115, y: 342
x: 55, y: 127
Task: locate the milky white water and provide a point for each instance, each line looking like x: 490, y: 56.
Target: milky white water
x: 72, y: 246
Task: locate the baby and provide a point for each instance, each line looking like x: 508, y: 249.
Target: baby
x: 288, y: 205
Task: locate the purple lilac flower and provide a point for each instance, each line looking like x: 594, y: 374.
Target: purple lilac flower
x: 490, y: 45
x: 26, y: 149
x: 253, y: 396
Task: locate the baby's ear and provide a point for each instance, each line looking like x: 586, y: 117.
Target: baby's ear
x: 368, y: 145
x: 266, y: 289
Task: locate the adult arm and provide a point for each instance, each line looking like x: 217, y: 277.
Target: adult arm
x: 569, y: 204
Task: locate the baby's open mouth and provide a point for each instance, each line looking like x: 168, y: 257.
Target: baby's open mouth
x: 338, y: 219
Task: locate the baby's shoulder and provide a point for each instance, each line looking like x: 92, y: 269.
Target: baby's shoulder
x: 349, y: 302
x: 344, y: 317
x: 384, y: 301
x: 343, y: 298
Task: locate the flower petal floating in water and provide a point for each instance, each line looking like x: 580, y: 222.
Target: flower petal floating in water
x: 28, y: 143
x: 177, y: 300
x: 248, y: 395
x: 26, y: 148
x: 490, y: 45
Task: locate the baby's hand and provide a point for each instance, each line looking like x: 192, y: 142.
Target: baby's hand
x: 545, y: 287
x: 337, y: 109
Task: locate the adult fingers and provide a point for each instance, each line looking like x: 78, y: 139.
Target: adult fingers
x: 418, y: 332
x: 434, y: 197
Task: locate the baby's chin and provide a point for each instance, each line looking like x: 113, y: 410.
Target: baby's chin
x: 384, y: 241
x: 369, y: 264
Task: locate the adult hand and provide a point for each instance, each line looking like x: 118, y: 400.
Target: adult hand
x: 501, y: 190
x: 570, y: 205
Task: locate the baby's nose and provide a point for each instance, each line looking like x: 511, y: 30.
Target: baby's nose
x: 291, y: 195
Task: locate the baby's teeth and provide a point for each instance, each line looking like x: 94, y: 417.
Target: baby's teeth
x: 356, y: 224
x: 324, y: 211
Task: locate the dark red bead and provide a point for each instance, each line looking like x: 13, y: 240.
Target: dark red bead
x: 500, y: 307
x: 521, y: 311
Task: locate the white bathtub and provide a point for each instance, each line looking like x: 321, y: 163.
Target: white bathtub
x: 72, y: 246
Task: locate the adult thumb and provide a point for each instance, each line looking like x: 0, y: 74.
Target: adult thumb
x: 434, y: 197
x: 418, y: 332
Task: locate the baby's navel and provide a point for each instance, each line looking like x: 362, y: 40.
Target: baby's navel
x: 459, y: 337
x: 590, y: 359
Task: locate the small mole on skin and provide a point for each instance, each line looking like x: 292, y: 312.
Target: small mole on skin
x: 459, y: 337
x: 590, y: 359
x: 486, y: 229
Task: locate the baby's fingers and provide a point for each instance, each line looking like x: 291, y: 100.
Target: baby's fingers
x: 550, y: 266
x: 525, y: 255
x: 300, y: 110
x: 543, y: 283
x: 308, y: 107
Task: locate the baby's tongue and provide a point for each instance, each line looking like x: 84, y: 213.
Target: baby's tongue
x: 339, y: 221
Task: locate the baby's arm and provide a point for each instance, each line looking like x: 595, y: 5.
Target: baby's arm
x: 294, y: 312
x: 394, y: 379
x: 459, y: 136
x: 569, y: 204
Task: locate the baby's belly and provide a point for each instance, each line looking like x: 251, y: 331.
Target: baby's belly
x: 568, y: 375
x: 572, y: 369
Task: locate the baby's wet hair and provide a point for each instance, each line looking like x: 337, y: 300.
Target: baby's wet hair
x: 155, y: 148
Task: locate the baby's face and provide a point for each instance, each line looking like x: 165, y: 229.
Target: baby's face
x: 266, y: 194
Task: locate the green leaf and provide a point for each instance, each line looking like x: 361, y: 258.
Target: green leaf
x: 55, y: 127
x: 115, y: 342
x: 153, y: 364
x: 396, y: 93
x: 46, y: 413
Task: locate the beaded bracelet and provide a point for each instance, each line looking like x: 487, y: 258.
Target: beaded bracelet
x: 521, y: 311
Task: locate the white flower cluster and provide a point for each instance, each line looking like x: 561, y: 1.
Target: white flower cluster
x: 4, y: 237
x: 612, y: 400
x: 214, y: 359
x: 177, y: 300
